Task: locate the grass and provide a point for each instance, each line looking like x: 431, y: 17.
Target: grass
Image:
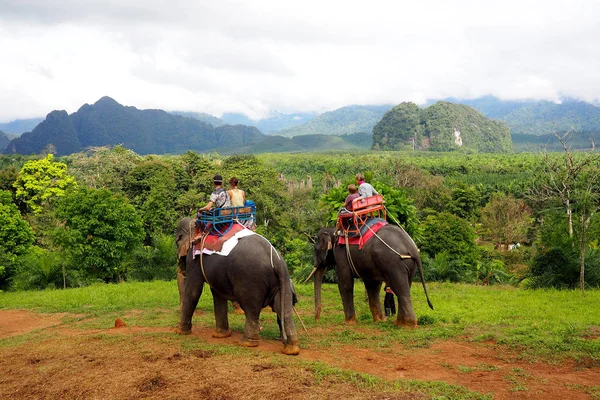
x: 548, y: 325
x: 540, y: 324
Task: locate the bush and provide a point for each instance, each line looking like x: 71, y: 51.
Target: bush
x: 41, y: 269
x: 558, y: 267
x: 158, y: 261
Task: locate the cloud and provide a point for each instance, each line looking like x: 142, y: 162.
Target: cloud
x: 254, y: 57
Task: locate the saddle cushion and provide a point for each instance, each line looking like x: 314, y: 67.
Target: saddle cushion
x: 367, y: 231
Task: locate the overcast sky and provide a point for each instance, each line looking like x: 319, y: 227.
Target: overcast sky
x: 311, y: 55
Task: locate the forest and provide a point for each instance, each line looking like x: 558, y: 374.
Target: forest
x: 109, y: 214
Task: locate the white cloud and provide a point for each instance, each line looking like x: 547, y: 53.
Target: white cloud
x: 253, y: 57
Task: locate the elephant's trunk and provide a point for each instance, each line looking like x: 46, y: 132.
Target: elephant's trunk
x: 320, y: 272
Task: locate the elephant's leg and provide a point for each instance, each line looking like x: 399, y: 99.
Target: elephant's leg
x: 180, y: 286
x: 346, y: 287
x: 192, y: 291
x: 400, y: 284
x: 222, y: 321
x: 252, y: 328
x: 373, y: 291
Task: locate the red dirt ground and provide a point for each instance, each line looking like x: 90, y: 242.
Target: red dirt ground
x: 70, y: 363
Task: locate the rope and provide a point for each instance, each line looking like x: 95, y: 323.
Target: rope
x: 388, y: 246
x: 398, y: 223
x: 348, y: 256
x: 201, y: 259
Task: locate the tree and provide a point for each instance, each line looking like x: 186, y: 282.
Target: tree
x: 41, y: 181
x: 453, y: 239
x: 506, y: 218
x: 573, y: 181
x: 99, y: 230
x: 465, y: 201
x: 16, y: 236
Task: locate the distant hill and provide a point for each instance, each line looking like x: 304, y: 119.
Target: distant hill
x: 19, y: 126
x: 4, y: 140
x: 442, y: 126
x: 297, y: 144
x: 343, y: 121
x: 107, y: 122
x: 200, y: 116
x: 273, y: 123
x: 538, y: 117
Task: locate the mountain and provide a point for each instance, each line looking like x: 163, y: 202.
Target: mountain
x: 4, y: 140
x: 297, y: 144
x: 343, y: 121
x: 273, y: 123
x: 200, y: 116
x: 107, y: 122
x: 538, y: 117
x: 443, y: 126
x: 19, y: 126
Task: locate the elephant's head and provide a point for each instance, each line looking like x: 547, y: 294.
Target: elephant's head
x: 323, y: 258
x: 183, y: 239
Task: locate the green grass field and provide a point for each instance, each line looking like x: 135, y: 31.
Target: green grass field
x: 549, y: 325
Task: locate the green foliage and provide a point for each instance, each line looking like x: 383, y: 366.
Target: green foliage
x: 158, y: 261
x: 441, y: 127
x: 153, y: 187
x: 16, y: 236
x: 42, y: 181
x: 41, y: 269
x: 450, y: 240
x: 506, y: 219
x: 103, y: 168
x: 100, y: 230
x: 299, y: 257
x: 465, y: 202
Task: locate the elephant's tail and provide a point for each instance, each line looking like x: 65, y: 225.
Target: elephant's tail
x: 283, y: 281
x: 418, y: 261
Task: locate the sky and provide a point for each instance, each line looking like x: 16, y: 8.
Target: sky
x: 259, y: 56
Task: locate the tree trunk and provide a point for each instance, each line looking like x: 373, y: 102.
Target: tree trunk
x: 570, y: 218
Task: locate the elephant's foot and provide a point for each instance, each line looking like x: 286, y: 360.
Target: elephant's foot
x: 181, y: 331
x: 247, y: 342
x: 378, y: 318
x: 351, y: 321
x: 291, y: 350
x: 406, y: 323
x: 221, y: 333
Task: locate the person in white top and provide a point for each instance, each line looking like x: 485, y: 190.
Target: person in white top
x: 364, y: 189
x: 236, y: 196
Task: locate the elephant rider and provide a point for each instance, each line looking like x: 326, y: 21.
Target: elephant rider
x: 237, y: 196
x: 353, y: 195
x: 364, y: 189
x: 219, y: 197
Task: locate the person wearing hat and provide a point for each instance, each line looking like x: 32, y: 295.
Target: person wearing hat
x: 219, y: 197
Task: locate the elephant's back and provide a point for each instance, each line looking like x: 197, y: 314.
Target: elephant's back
x: 396, y: 238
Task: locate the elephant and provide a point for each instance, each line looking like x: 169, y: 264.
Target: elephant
x: 253, y: 274
x: 391, y: 256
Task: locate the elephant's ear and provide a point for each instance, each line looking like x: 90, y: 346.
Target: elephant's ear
x: 324, y: 244
x: 183, y: 245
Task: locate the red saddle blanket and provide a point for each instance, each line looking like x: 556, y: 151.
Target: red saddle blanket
x: 215, y: 242
x: 367, y: 231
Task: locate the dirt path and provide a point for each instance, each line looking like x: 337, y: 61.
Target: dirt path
x: 143, y: 368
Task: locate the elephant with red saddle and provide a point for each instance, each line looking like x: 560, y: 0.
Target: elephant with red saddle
x: 389, y: 256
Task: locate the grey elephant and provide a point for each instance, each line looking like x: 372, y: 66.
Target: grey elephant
x: 253, y: 274
x: 391, y: 256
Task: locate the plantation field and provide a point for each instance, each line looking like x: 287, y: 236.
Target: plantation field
x: 480, y: 342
